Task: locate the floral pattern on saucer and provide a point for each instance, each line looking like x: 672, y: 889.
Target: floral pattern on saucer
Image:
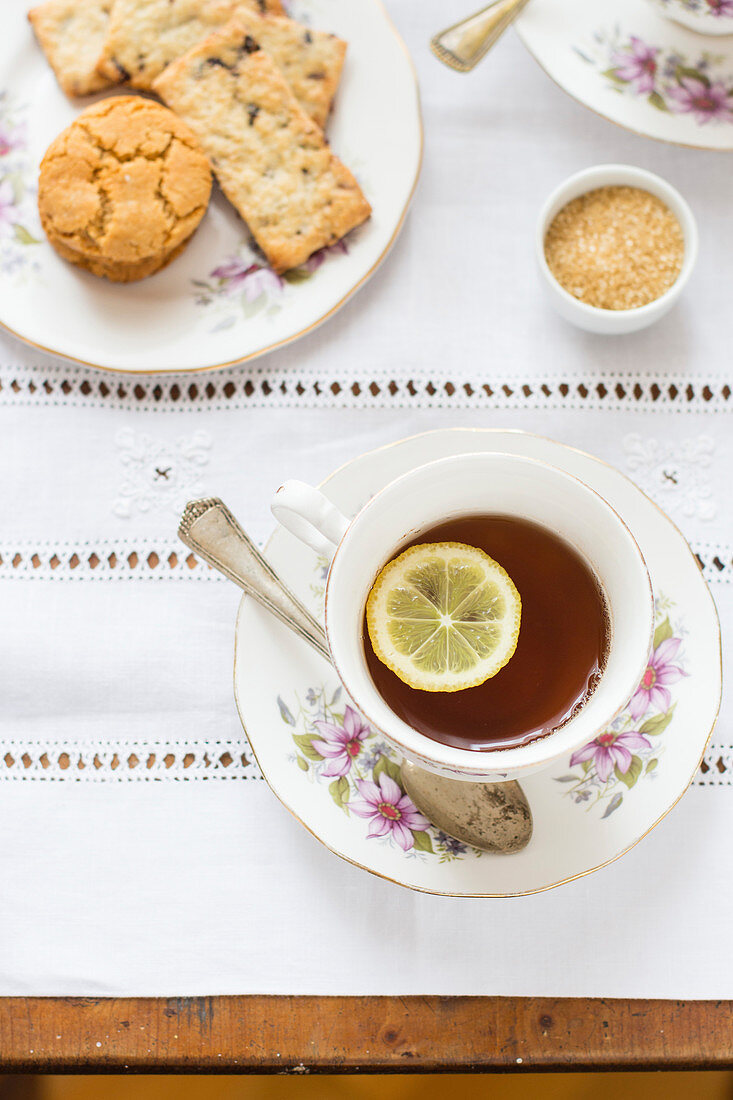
x: 698, y: 86
x: 629, y: 749
x: 716, y: 9
x: 244, y: 284
x: 17, y: 198
x: 337, y: 749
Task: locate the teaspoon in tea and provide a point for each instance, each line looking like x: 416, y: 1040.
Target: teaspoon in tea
x: 494, y: 817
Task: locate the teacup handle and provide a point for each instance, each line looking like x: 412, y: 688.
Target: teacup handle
x: 310, y: 516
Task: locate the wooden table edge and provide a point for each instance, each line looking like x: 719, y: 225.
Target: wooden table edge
x: 264, y: 1034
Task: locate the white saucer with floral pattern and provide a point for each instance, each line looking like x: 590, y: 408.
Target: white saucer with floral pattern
x: 218, y: 302
x: 632, y: 64
x: 342, y: 781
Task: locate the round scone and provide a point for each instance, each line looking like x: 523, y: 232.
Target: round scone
x: 123, y: 188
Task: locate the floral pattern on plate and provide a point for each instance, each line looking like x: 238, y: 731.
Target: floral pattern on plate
x: 337, y: 748
x: 244, y: 285
x: 698, y: 87
x: 629, y: 749
x: 17, y: 197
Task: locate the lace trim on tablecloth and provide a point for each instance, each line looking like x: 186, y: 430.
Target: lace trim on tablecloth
x: 716, y: 561
x: 103, y: 559
x: 243, y: 387
x: 716, y: 769
x: 160, y: 761
x: 138, y: 559
x: 127, y: 761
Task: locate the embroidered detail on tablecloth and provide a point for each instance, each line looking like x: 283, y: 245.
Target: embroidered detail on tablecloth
x: 676, y: 475
x: 159, y: 476
x: 126, y: 761
x: 248, y: 387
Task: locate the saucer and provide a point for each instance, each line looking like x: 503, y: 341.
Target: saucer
x: 636, y: 67
x: 332, y: 771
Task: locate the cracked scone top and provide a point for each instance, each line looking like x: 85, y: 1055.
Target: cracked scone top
x: 123, y: 188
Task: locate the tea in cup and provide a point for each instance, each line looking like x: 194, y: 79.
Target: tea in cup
x: 586, y: 609
x: 555, y: 661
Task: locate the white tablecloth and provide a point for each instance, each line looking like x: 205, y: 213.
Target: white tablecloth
x: 185, y: 875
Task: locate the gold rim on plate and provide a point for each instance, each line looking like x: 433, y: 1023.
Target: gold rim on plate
x: 314, y: 324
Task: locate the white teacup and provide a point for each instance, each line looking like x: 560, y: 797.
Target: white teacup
x: 474, y: 484
x: 705, y: 16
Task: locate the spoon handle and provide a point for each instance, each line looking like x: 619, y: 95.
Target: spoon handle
x: 211, y: 531
x: 462, y: 46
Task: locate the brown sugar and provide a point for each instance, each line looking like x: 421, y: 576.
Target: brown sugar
x: 615, y: 247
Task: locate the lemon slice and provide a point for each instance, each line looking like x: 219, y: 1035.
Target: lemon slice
x: 444, y: 616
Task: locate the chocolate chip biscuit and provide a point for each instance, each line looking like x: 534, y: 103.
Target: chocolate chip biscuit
x: 311, y: 61
x: 145, y: 35
x: 271, y: 159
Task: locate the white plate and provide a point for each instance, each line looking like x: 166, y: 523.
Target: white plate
x: 581, y: 822
x: 634, y: 66
x: 203, y: 311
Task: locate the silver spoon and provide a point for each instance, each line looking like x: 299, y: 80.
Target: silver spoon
x: 462, y: 46
x: 492, y: 816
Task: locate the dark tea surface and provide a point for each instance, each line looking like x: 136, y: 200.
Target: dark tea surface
x: 562, y: 645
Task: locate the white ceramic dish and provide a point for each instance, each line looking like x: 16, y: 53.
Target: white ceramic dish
x: 502, y: 484
x: 611, y: 321
x: 628, y: 62
x: 585, y: 814
x: 216, y: 304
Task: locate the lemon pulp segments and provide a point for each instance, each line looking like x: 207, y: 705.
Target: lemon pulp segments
x: 444, y: 616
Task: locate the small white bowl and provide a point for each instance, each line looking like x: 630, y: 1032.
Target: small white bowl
x: 611, y: 321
